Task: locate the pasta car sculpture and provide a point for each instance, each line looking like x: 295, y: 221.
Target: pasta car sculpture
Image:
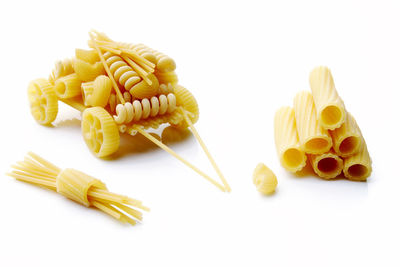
x: 119, y: 88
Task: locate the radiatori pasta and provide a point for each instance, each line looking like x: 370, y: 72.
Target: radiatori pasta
x: 359, y: 166
x: 327, y: 166
x: 330, y: 108
x: 313, y: 138
x: 287, y: 142
x: 347, y: 138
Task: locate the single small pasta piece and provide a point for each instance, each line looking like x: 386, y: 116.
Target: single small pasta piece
x: 347, y: 138
x: 358, y: 167
x: 68, y: 86
x: 327, y: 165
x: 264, y: 179
x: 91, y: 56
x: 43, y: 101
x: 287, y: 143
x: 331, y: 112
x: 97, y: 93
x: 62, y: 68
x: 314, y: 139
x: 87, y: 71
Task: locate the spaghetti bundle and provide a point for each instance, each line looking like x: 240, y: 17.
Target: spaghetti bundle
x: 77, y: 186
x: 322, y: 129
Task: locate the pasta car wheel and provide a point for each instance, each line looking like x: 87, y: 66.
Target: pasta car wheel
x: 100, y: 131
x: 43, y: 101
x: 185, y: 99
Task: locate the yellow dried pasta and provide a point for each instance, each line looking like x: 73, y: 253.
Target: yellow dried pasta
x: 264, y: 179
x: 79, y: 187
x: 167, y: 77
x: 68, y: 86
x: 164, y: 63
x: 330, y: 107
x: 358, y: 167
x: 97, y: 93
x: 313, y: 138
x: 327, y: 165
x: 62, y: 68
x: 347, y: 138
x: 291, y: 156
x: 43, y: 101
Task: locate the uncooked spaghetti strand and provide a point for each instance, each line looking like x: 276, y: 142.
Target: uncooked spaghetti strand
x: 106, y: 208
x: 205, y: 149
x: 33, y: 171
x: 32, y: 180
x: 44, y: 162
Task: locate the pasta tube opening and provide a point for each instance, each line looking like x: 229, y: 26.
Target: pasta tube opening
x: 332, y: 115
x: 349, y: 145
x: 294, y: 159
x: 318, y: 144
x: 327, y: 165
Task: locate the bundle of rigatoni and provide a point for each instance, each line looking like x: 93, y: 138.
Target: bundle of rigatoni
x: 319, y: 128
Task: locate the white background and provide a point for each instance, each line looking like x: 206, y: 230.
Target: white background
x: 242, y: 60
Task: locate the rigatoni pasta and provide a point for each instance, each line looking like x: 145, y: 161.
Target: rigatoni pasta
x: 68, y: 86
x: 327, y: 165
x: 313, y: 138
x: 287, y: 142
x: 330, y: 107
x: 347, y: 138
x: 359, y: 166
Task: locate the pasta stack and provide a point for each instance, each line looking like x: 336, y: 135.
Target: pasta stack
x: 319, y: 128
x: 77, y: 186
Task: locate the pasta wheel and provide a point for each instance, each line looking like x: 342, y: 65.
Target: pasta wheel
x: 327, y: 166
x: 145, y: 108
x: 347, y: 138
x: 100, y: 131
x: 68, y: 86
x: 167, y: 77
x: 359, y: 166
x: 331, y: 112
x: 313, y: 138
x: 97, y: 93
x: 264, y: 179
x: 129, y: 79
x: 43, y: 101
x: 185, y: 99
x: 77, y: 186
x: 61, y: 69
x: 287, y: 143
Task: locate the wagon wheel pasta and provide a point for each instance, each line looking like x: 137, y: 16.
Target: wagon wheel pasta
x: 77, y: 186
x: 99, y: 131
x: 43, y: 101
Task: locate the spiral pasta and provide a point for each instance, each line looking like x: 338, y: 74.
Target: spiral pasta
x: 145, y: 108
x: 130, y: 79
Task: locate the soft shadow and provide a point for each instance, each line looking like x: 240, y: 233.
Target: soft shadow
x: 172, y: 135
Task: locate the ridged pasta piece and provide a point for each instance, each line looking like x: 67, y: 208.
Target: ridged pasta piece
x: 77, y: 186
x: 97, y: 93
x: 165, y: 89
x: 313, y: 138
x: 87, y: 71
x: 43, y: 101
x: 68, y: 86
x: 347, y: 138
x: 331, y: 112
x: 148, y: 55
x: 264, y: 179
x: 186, y: 100
x: 62, y: 68
x: 129, y: 79
x: 138, y: 110
x: 358, y: 167
x: 163, y: 62
x: 290, y: 154
x: 327, y: 165
x: 90, y: 56
x: 100, y: 131
x: 167, y: 77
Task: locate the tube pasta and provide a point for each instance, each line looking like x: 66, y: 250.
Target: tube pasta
x: 327, y: 166
x: 128, y: 78
x: 330, y: 107
x: 287, y: 143
x: 68, y: 86
x: 358, y: 167
x: 145, y: 108
x: 347, y: 138
x: 77, y: 186
x: 313, y: 138
x: 62, y: 68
